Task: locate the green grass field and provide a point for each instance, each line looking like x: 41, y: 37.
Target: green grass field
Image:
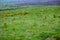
x: 30, y: 23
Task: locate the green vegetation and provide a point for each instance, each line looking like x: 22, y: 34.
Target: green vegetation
x: 30, y: 23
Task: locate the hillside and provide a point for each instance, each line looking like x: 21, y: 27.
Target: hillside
x: 30, y: 23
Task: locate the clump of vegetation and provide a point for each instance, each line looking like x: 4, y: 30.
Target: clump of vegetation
x: 57, y: 37
x: 24, y: 13
x: 21, y: 13
x: 1, y: 17
x: 54, y: 15
x: 5, y: 24
x: 44, y: 18
x: 58, y: 16
x: 9, y: 15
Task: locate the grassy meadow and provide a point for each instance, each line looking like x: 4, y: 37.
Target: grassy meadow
x: 30, y: 23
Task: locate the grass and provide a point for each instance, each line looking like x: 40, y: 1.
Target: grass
x: 30, y: 23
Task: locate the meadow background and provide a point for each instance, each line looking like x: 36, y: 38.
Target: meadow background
x: 29, y: 21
